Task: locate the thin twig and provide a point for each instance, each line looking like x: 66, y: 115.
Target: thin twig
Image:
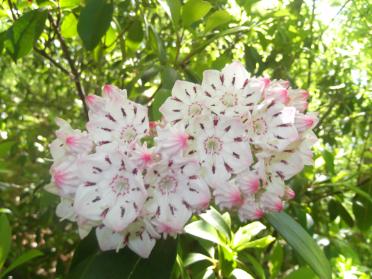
x: 54, y: 62
x: 71, y: 63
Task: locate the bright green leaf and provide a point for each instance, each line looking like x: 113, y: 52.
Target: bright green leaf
x: 215, y: 219
x: 22, y: 259
x: 69, y: 4
x: 196, y: 257
x: 69, y: 26
x: 259, y: 243
x: 5, y: 238
x: 203, y: 230
x: 25, y: 31
x: 194, y: 10
x: 301, y: 242
x: 245, y: 233
x: 94, y: 21
x: 275, y: 260
x: 216, y: 19
x: 240, y: 274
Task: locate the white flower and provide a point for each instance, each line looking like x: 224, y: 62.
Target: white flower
x: 65, y: 175
x: 305, y: 122
x: 139, y: 237
x: 118, y: 124
x: 231, y: 92
x: 69, y: 141
x: 222, y: 148
x: 273, y: 127
x: 171, y: 140
x: 250, y: 210
x: 298, y: 99
x: 175, y: 191
x: 186, y: 106
x: 112, y: 190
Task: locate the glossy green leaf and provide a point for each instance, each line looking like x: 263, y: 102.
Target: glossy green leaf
x: 276, y: 260
x: 216, y: 19
x: 168, y: 77
x: 203, y: 230
x: 362, y: 209
x: 215, y: 219
x: 22, y: 259
x: 157, y: 45
x: 69, y: 26
x: 173, y: 9
x: 94, y: 21
x: 259, y: 243
x: 244, y: 234
x: 69, y: 4
x: 194, y: 10
x: 196, y: 257
x: 125, y: 264
x: 301, y: 242
x: 24, y: 32
x: 240, y: 274
x: 257, y: 266
x: 5, y: 238
x: 160, y: 96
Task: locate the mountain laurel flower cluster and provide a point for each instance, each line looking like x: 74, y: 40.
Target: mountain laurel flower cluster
x: 233, y: 140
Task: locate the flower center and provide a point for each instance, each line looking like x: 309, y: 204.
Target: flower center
x: 212, y: 145
x: 260, y: 126
x: 229, y: 99
x: 195, y: 109
x: 168, y: 184
x: 128, y: 134
x: 120, y: 185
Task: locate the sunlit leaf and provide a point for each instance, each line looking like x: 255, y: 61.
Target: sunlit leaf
x: 196, y: 257
x: 216, y: 19
x: 194, y: 10
x: 69, y: 26
x: 301, y: 242
x: 203, y: 230
x: 215, y: 219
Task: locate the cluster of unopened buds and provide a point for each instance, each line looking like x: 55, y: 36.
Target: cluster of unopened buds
x: 233, y: 141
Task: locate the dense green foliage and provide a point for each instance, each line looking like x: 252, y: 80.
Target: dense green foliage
x: 52, y: 53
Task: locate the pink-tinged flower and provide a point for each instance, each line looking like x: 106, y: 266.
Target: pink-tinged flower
x: 289, y: 193
x: 273, y: 126
x: 186, y: 106
x: 120, y: 124
x: 139, y: 237
x: 112, y: 191
x: 222, y: 149
x: 171, y: 140
x: 95, y: 104
x: 250, y: 210
x: 231, y: 92
x: 175, y: 190
x: 269, y: 201
x: 305, y: 122
x: 298, y: 99
x: 277, y: 92
x: 293, y: 158
x: 249, y: 182
x: 65, y: 175
x: 228, y: 195
x: 69, y: 141
x: 113, y: 93
x: 142, y: 156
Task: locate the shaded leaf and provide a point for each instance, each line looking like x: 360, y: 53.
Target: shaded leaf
x: 24, y: 258
x: 94, y: 21
x: 196, y: 257
x: 160, y: 96
x: 5, y: 238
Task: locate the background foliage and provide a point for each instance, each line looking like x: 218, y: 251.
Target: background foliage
x: 55, y: 52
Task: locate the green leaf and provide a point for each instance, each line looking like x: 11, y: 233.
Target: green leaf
x: 196, y: 257
x: 362, y: 208
x: 125, y: 264
x: 5, y: 147
x: 25, y: 31
x: 69, y: 26
x: 329, y: 160
x: 337, y: 209
x: 24, y: 258
x: 245, y: 233
x: 216, y: 19
x: 203, y: 230
x: 259, y: 243
x: 168, y: 77
x: 302, y: 273
x: 276, y: 260
x: 301, y: 242
x: 5, y: 238
x: 257, y: 266
x: 252, y: 58
x: 194, y: 10
x: 135, y: 32
x: 94, y: 21
x: 160, y: 96
x: 157, y: 45
x: 173, y: 9
x: 215, y: 219
x: 69, y: 4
